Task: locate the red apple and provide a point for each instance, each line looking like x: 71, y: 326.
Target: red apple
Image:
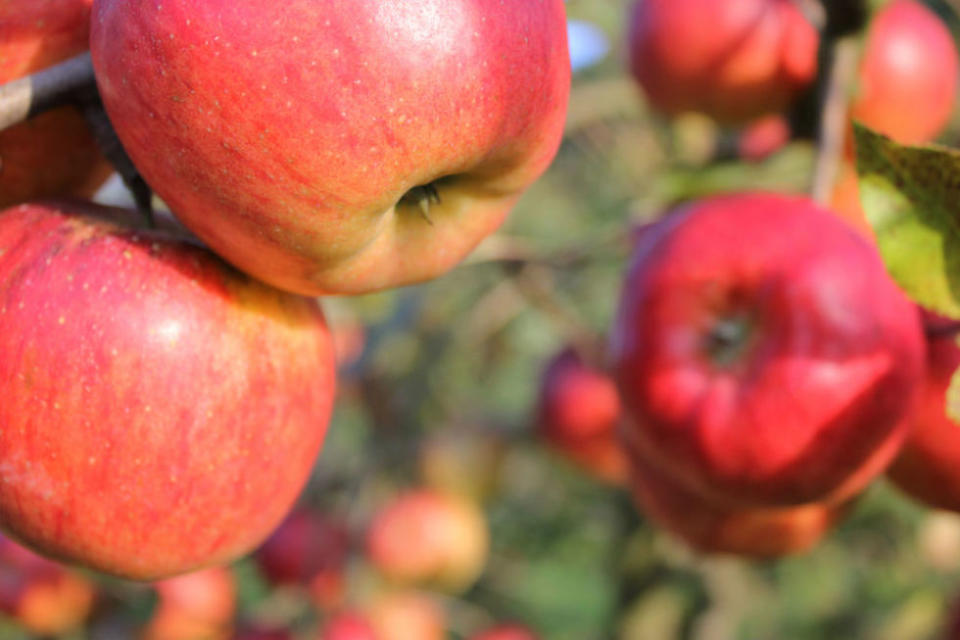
x: 196, y: 605
x: 43, y: 596
x: 908, y: 73
x: 506, y: 632
x: 733, y: 60
x: 161, y: 411
x: 845, y: 200
x: 763, y: 352
x: 348, y: 626
x: 53, y: 153
x: 709, y: 528
x: 762, y: 138
x: 426, y: 536
x: 405, y: 615
x: 928, y: 467
x: 578, y: 412
x: 308, y: 549
x: 339, y: 146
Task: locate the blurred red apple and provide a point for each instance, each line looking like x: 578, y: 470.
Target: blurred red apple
x: 506, y: 632
x: 763, y: 352
x: 348, y: 626
x: 928, y: 467
x: 908, y: 73
x: 406, y: 615
x: 709, y: 528
x: 53, y: 153
x: 337, y: 147
x: 192, y: 606
x: 845, y: 200
x: 43, y: 596
x: 578, y: 412
x: 734, y: 60
x: 161, y: 410
x: 426, y: 536
x: 762, y: 138
x: 308, y: 549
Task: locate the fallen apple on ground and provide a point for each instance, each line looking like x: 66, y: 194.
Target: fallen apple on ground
x: 763, y: 353
x: 339, y: 146
x: 161, y: 411
x: 53, y: 153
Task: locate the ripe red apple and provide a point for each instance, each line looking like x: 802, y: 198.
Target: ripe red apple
x: 161, y: 411
x: 53, y: 153
x: 348, y: 626
x: 908, y: 73
x: 709, y: 528
x: 578, y: 412
x: 763, y: 352
x: 196, y: 605
x: 340, y: 146
x: 43, y: 596
x: 308, y: 549
x: 426, y: 536
x: 734, y: 60
x: 928, y: 467
x: 506, y: 632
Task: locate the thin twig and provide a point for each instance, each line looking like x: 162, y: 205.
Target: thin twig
x: 833, y: 123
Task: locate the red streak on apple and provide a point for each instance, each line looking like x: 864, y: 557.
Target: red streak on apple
x: 159, y: 411
x: 764, y: 353
x: 296, y: 138
x: 53, y: 153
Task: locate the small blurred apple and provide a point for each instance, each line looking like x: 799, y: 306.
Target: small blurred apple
x: 428, y: 537
x: 506, y: 632
x: 196, y: 605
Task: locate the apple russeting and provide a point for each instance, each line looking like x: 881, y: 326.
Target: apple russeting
x: 52, y: 154
x: 336, y: 146
x: 733, y: 60
x: 161, y: 411
x: 763, y: 353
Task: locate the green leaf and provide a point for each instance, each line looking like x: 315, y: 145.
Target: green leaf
x: 911, y: 197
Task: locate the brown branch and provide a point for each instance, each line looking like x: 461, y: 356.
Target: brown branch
x: 45, y: 90
x: 833, y: 117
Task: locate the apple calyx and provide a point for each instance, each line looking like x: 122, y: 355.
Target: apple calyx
x: 422, y: 197
x: 728, y: 340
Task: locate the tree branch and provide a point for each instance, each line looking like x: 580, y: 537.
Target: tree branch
x: 45, y: 90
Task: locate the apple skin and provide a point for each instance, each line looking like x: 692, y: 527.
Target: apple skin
x: 506, y: 632
x: 578, y: 412
x: 928, y: 467
x: 403, y: 615
x: 425, y: 536
x: 763, y: 354
x: 195, y: 605
x: 762, y: 138
x: 161, y: 410
x: 287, y: 135
x: 734, y: 60
x: 765, y: 532
x: 308, y: 549
x: 43, y: 596
x: 53, y: 153
x: 908, y: 74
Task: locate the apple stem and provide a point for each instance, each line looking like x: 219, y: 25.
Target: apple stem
x: 727, y: 340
